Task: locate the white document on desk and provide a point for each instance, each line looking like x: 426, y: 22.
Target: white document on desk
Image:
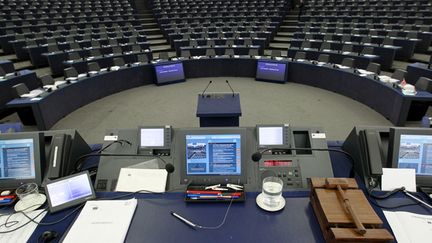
x: 393, y: 178
x: 410, y: 227
x: 23, y: 234
x: 102, y: 221
x: 135, y: 179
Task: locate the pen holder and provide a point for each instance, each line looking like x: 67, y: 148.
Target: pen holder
x: 202, y: 193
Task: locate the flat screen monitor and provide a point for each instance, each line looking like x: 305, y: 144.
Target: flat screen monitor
x: 213, y: 155
x: 171, y: 72
x: 20, y: 159
x: 270, y: 136
x: 69, y: 191
x: 412, y: 148
x: 152, y: 137
x: 271, y: 71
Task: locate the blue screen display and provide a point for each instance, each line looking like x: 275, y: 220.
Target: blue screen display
x: 415, y: 151
x: 17, y: 159
x: 68, y: 190
x: 271, y: 71
x: 169, y: 72
x: 215, y: 154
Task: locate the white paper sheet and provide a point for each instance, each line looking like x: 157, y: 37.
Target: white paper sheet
x: 410, y: 227
x: 102, y: 221
x: 23, y: 234
x: 393, y: 178
x: 135, y: 179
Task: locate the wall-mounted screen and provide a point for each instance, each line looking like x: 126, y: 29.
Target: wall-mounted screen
x: 271, y: 71
x: 169, y: 73
x: 213, y: 154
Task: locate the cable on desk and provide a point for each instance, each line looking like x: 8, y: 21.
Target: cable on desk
x: 386, y: 196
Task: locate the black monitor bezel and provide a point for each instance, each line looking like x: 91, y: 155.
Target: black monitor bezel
x: 394, y: 144
x: 73, y: 202
x: 39, y: 156
x: 272, y: 80
x: 209, y: 179
x: 165, y: 64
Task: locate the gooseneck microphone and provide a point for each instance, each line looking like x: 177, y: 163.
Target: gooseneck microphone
x: 202, y: 95
x: 232, y: 90
x: 256, y: 157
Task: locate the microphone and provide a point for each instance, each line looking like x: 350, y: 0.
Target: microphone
x: 202, y: 95
x: 256, y: 156
x: 230, y: 87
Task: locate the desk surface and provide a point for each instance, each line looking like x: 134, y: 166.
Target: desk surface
x: 245, y: 222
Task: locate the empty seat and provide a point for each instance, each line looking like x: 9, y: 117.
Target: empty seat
x: 95, y: 53
x: 347, y: 48
x: 70, y: 72
x: 136, y: 48
x: 117, y: 50
x: 367, y: 50
x: 388, y: 41
x: 424, y: 83
x: 247, y: 42
x: 229, y: 52
x: 348, y: 62
x: 185, y: 53
x: 324, y: 58
x: 47, y: 80
x: 2, y: 72
x: 305, y: 44
x: 276, y: 53
x: 374, y: 67
x: 229, y: 43
x: 366, y: 39
x: 142, y: 58
x: 300, y: 55
x: 74, y: 56
x: 119, y: 61
x: 210, y: 52
x: 253, y: 52
x: 211, y: 43
x: 74, y: 46
x: 20, y: 89
x: 53, y: 48
x: 325, y: 46
x: 399, y: 74
x: 93, y: 67
x: 193, y: 43
x: 164, y: 56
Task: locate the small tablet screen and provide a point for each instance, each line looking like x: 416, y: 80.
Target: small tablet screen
x: 69, y: 191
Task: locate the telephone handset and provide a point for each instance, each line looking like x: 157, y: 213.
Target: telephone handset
x: 375, y: 156
x: 58, y: 156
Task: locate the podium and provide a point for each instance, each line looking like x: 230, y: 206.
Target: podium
x: 219, y: 110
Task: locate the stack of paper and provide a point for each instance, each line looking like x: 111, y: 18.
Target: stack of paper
x: 23, y: 234
x: 410, y: 227
x: 102, y: 221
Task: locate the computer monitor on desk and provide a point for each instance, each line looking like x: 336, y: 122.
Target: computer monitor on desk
x: 213, y: 155
x: 412, y: 148
x: 20, y: 159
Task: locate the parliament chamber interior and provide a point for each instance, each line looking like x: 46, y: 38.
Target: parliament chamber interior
x: 215, y: 120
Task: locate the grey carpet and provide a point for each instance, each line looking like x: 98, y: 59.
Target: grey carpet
x: 262, y: 103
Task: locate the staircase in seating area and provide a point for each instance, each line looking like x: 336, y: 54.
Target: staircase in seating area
x: 158, y: 42
x: 285, y: 33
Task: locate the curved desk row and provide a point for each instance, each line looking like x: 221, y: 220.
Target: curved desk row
x: 7, y: 66
x: 386, y: 100
x: 416, y: 71
x: 6, y: 94
x: 386, y: 54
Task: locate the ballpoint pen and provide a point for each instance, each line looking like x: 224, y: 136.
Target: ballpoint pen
x: 189, y: 223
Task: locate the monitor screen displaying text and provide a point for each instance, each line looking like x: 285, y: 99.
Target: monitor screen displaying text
x: 271, y: 71
x: 17, y: 159
x: 213, y: 154
x: 415, y: 151
x: 169, y: 73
